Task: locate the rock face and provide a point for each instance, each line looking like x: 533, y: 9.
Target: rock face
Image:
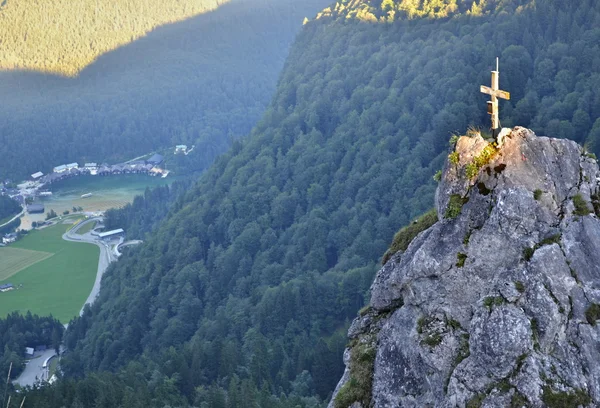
x: 496, y: 304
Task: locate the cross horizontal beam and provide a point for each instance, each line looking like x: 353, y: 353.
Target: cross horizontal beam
x: 497, y: 93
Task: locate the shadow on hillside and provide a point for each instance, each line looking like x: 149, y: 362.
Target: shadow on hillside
x: 202, y: 81
x: 225, y: 37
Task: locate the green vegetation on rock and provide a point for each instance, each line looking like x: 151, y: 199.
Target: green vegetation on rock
x: 483, y: 158
x: 563, y: 399
x: 405, y: 236
x: 461, y: 258
x: 581, y: 207
x: 455, y: 205
x: 358, y: 387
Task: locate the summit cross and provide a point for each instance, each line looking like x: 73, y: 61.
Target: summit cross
x: 495, y: 93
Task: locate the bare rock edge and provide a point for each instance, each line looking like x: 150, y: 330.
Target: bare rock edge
x: 493, y: 308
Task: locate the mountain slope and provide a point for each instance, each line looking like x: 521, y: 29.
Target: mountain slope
x: 248, y: 286
x: 278, y: 241
x: 495, y: 304
x: 64, y: 37
x: 202, y: 81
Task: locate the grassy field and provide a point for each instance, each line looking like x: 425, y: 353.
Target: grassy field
x: 57, y: 284
x: 13, y: 260
x: 86, y: 228
x: 53, y: 366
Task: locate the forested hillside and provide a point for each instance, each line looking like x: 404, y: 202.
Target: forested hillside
x: 244, y: 294
x: 145, y: 212
x: 202, y: 81
x: 64, y: 37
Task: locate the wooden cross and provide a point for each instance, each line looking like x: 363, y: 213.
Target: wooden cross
x: 496, y: 93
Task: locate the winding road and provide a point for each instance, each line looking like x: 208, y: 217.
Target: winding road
x: 13, y: 218
x: 106, y: 255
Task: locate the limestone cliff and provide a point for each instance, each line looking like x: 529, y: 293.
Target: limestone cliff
x: 496, y: 304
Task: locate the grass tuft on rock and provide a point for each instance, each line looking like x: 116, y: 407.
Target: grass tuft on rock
x: 454, y: 158
x: 455, y: 205
x: 405, y: 236
x: 479, y: 161
x: 476, y: 401
x: 581, y: 207
x: 493, y: 301
x: 563, y: 399
x: 461, y: 258
x: 359, y: 386
x: 528, y: 253
x: 537, y: 194
x: 518, y: 400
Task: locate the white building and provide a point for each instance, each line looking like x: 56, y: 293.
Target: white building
x: 9, y: 238
x: 180, y: 149
x: 37, y: 175
x: 111, y: 234
x: 72, y: 166
x: 60, y: 169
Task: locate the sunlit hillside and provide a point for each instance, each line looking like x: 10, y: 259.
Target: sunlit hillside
x: 64, y: 36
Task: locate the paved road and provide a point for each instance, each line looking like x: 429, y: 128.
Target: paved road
x: 126, y: 244
x: 13, y: 218
x: 33, y: 370
x: 106, y: 255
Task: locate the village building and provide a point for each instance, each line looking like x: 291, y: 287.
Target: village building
x: 111, y: 234
x: 60, y: 169
x: 180, y: 149
x: 9, y: 238
x: 6, y: 287
x: 35, y: 208
x: 37, y: 175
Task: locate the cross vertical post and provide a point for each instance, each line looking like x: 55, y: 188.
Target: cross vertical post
x: 495, y: 93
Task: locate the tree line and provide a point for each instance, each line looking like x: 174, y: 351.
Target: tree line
x: 8, y: 208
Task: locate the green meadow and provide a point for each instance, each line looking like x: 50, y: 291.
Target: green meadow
x: 58, y: 283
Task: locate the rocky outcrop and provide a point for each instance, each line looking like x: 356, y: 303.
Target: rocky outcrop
x: 496, y: 304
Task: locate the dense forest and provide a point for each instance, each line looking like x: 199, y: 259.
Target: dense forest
x: 8, y: 208
x: 202, y: 81
x: 64, y: 37
x: 242, y: 296
x: 145, y: 212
